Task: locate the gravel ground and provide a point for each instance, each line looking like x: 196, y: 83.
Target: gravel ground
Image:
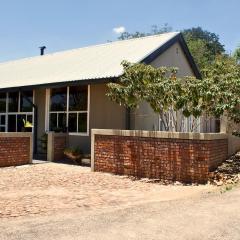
x: 50, y: 188
x: 56, y: 201
x: 210, y: 217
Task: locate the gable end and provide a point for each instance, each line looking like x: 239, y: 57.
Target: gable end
x: 178, y: 38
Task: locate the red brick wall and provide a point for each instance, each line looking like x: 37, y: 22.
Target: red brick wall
x: 217, y: 152
x: 59, y: 144
x: 14, y: 151
x: 162, y: 158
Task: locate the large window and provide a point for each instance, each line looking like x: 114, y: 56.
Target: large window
x: 69, y: 109
x: 16, y: 111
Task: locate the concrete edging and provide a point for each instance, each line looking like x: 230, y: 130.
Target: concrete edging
x: 161, y: 134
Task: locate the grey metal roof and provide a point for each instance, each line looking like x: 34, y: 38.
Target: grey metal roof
x: 94, y: 62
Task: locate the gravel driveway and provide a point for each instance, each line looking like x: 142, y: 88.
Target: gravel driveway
x: 50, y: 188
x: 56, y: 201
x: 209, y: 217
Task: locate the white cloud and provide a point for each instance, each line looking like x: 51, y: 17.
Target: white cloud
x: 119, y: 30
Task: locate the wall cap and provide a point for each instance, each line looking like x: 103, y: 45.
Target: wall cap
x: 16, y: 134
x: 160, y: 134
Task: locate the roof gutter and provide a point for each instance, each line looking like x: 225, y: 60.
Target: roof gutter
x: 61, y: 84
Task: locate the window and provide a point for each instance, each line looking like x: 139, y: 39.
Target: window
x: 58, y: 108
x: 15, y: 111
x: 13, y: 98
x: 58, y: 122
x: 2, y: 122
x: 69, y: 109
x: 25, y: 105
x: 12, y: 123
x: 59, y: 99
x: 78, y: 98
x: 2, y: 102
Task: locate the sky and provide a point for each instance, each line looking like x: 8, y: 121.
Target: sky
x: 66, y: 24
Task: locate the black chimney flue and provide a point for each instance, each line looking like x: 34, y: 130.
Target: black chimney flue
x: 42, y: 50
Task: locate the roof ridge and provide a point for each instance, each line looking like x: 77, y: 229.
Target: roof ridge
x: 86, y: 47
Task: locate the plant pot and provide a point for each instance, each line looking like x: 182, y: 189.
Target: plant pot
x: 77, y: 158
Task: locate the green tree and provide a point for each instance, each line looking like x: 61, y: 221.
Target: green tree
x: 211, y: 39
x: 154, y: 30
x: 222, y: 88
x: 216, y: 94
x: 204, y: 46
x: 236, y: 54
x: 160, y: 87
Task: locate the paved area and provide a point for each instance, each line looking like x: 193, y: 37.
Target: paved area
x: 50, y: 188
x: 200, y: 217
x: 56, y: 201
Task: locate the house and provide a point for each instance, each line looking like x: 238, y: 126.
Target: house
x: 66, y: 91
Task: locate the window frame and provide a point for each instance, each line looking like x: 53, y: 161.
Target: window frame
x: 67, y: 112
x: 26, y: 114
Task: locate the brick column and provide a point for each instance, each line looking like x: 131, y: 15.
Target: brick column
x: 15, y: 149
x: 57, y: 142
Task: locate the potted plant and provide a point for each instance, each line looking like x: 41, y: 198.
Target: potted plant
x: 74, y: 154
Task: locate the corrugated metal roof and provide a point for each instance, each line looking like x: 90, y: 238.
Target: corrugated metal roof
x: 94, y: 62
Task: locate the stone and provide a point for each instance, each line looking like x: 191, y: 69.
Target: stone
x: 219, y: 183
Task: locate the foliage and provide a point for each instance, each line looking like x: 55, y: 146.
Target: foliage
x: 75, y: 154
x: 236, y: 54
x: 222, y: 81
x: 211, y: 39
x: 204, y: 45
x: 75, y: 151
x: 215, y: 95
x: 160, y: 87
x: 155, y: 30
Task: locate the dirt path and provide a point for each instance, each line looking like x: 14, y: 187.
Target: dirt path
x: 213, y: 217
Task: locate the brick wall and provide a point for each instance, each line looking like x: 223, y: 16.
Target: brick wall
x: 56, y: 144
x: 217, y: 152
x: 14, y: 151
x: 174, y: 159
x: 59, y: 144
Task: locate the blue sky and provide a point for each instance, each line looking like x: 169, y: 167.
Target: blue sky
x: 65, y: 24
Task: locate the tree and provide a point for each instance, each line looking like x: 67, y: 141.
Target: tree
x: 236, y: 54
x: 154, y: 30
x: 199, y: 52
x: 211, y: 39
x: 160, y: 87
x: 216, y: 94
x: 222, y: 82
x: 204, y: 45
